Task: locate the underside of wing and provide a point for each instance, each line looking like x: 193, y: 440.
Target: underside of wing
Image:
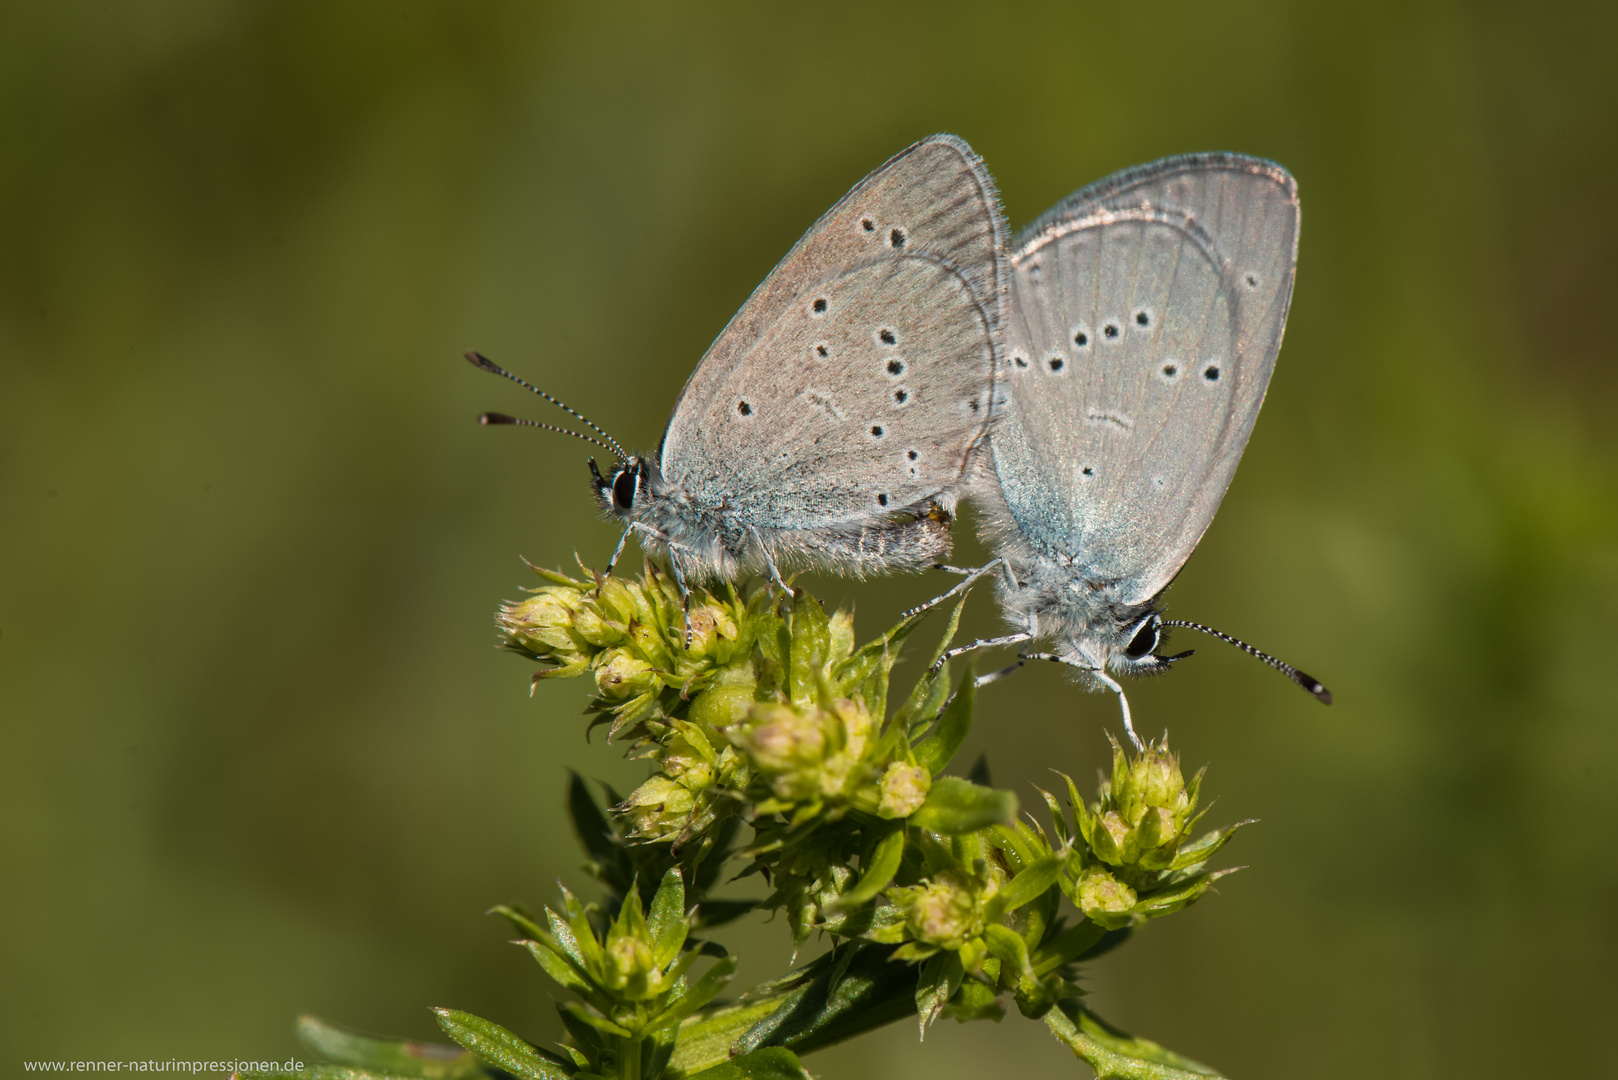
x: 874, y: 399
x: 1146, y: 314
x: 928, y: 219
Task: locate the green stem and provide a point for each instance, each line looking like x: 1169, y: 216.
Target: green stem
x: 629, y: 1065
x: 1114, y: 1055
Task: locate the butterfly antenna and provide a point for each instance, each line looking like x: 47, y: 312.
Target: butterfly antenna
x: 478, y: 360
x: 1308, y: 682
x: 502, y: 418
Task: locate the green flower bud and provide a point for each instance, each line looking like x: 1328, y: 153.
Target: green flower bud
x: 727, y: 701
x: 947, y: 910
x: 942, y: 912
x: 660, y: 809
x: 1145, y: 811
x: 904, y: 789
x: 804, y: 752
x: 621, y: 675
x: 543, y: 624
x: 630, y: 961
x: 1104, y: 899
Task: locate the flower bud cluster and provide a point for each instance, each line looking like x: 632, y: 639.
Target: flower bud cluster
x: 808, y: 754
x: 1137, y: 860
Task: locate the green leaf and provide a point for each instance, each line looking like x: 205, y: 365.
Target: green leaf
x: 596, y: 834
x: 774, y: 1063
x: 956, y: 806
x: 558, y: 966
x: 1114, y: 1055
x: 1181, y: 895
x: 428, y: 1061
x: 524, y: 922
x: 934, y: 752
x: 497, y: 1046
x: 1010, y: 949
x: 600, y: 1023
x: 877, y: 872
x: 1203, y: 848
x: 667, y: 922
x: 1066, y: 947
x: 811, y: 642
x: 1028, y: 885
x: 974, y: 1001
x: 936, y: 983
x: 926, y: 697
x: 873, y: 991
x: 701, y: 992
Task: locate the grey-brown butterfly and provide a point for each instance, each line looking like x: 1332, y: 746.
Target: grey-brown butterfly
x: 1146, y: 314
x: 831, y: 423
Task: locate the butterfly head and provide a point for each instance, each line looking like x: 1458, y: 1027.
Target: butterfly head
x: 623, y: 487
x: 1133, y: 644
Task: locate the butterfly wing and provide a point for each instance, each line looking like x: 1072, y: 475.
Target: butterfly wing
x: 855, y: 381
x: 1146, y: 315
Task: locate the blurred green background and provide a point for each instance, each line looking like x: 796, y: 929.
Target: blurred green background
x: 260, y: 755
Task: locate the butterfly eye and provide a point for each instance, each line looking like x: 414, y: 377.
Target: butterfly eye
x: 1145, y: 639
x: 623, y: 489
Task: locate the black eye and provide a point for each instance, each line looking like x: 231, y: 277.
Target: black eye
x: 623, y: 489
x: 1145, y: 639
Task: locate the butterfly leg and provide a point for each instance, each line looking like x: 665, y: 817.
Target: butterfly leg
x: 982, y: 643
x: 769, y: 561
x: 1105, y: 680
x: 617, y: 552
x: 996, y: 676
x: 965, y: 583
x: 685, y: 595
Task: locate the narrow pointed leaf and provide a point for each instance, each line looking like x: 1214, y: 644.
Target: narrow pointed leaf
x: 773, y: 1063
x: 524, y: 922
x: 667, y: 922
x: 956, y: 806
x: 498, y: 1046
x: 933, y: 753
x: 428, y: 1061
x: 875, y: 875
x: 701, y: 992
x: 558, y: 966
x: 1026, y: 886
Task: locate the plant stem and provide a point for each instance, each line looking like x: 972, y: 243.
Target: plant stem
x: 1116, y: 1056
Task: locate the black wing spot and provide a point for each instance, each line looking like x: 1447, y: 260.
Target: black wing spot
x: 1252, y: 281
x: 885, y: 336
x: 822, y: 350
x: 901, y: 395
x: 1055, y: 362
x: 867, y: 224
x: 972, y: 403
x: 896, y: 367
x: 1110, y: 331
x: 1019, y: 361
x: 876, y: 431
x: 882, y: 500
x: 744, y: 408
x: 912, y: 455
x: 819, y: 305
x: 1211, y: 373
x: 1088, y: 471
x: 897, y: 238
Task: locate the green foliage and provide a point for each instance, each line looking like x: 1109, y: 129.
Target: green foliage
x: 937, y: 898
